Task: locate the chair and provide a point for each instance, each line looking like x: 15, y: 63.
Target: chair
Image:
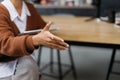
x: 51, y: 64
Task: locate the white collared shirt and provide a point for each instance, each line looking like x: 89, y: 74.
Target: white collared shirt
x: 8, y: 68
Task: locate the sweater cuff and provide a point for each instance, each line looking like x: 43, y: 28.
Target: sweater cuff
x: 29, y: 44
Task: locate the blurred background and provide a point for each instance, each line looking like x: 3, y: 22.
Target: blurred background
x: 91, y: 63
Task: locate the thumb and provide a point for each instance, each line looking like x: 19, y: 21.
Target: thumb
x: 46, y: 28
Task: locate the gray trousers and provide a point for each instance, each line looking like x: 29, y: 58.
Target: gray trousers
x: 26, y: 69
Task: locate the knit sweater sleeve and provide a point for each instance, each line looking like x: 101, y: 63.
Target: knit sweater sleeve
x: 11, y: 45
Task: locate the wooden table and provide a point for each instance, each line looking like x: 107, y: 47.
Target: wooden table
x: 80, y: 31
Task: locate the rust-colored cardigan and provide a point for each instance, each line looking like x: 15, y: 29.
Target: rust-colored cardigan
x: 11, y: 45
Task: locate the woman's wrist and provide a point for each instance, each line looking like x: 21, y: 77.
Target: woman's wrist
x: 35, y: 41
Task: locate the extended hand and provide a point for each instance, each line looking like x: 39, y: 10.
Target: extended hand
x: 48, y: 39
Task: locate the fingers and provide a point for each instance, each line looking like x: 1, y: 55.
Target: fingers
x: 60, y: 41
x: 46, y: 28
x: 55, y: 38
x: 56, y: 46
x: 57, y: 43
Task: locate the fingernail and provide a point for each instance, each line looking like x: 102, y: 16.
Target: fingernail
x: 62, y: 40
x: 50, y: 22
x: 67, y: 45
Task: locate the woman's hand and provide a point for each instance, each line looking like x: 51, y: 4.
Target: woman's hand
x: 48, y: 39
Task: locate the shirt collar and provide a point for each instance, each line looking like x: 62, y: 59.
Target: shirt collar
x: 12, y: 11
